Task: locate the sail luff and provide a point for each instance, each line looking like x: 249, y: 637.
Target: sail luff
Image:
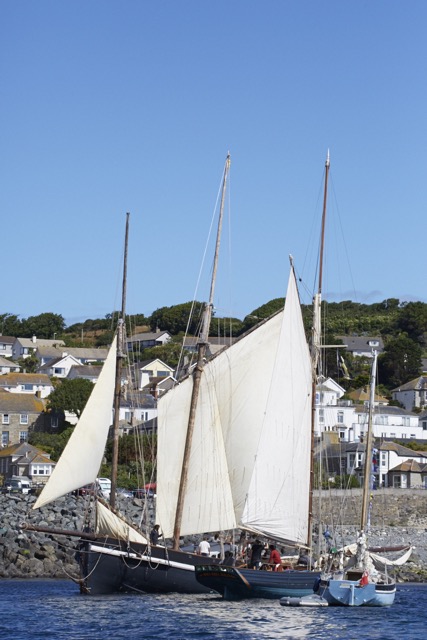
x: 81, y: 459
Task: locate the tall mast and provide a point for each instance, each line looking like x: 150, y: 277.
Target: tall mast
x: 198, y: 371
x: 118, y: 383
x: 315, y: 349
x: 368, y: 450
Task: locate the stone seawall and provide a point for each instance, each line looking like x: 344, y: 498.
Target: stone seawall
x: 398, y: 517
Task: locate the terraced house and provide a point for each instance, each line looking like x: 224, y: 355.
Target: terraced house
x: 20, y: 413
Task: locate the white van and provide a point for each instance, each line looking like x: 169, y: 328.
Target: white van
x: 105, y: 486
x: 20, y: 484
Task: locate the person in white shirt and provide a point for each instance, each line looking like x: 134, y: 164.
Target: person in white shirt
x: 204, y: 547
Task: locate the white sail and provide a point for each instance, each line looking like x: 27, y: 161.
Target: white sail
x: 110, y: 525
x: 277, y: 503
x: 237, y: 389
x: 80, y: 461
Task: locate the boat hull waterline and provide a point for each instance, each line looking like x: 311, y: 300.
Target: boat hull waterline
x: 237, y: 584
x: 112, y: 567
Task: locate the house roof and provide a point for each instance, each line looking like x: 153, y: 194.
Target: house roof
x: 363, y: 395
x: 18, y: 402
x: 361, y: 343
x: 400, y: 450
x: 148, y: 335
x: 13, y: 379
x: 144, y: 363
x: 86, y: 370
x: 412, y: 385
x: 411, y: 466
x: 21, y: 449
x: 5, y: 362
x: 138, y: 399
x: 7, y: 339
x: 386, y: 410
x: 38, y: 342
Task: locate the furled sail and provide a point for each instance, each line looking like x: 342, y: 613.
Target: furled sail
x: 80, y: 461
x: 237, y: 389
x: 277, y: 502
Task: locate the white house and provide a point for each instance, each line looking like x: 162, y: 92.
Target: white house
x: 60, y: 367
x: 38, y: 384
x: 350, y: 421
x: 412, y: 394
x: 8, y: 366
x: 148, y: 339
x: 24, y: 347
x: 6, y: 344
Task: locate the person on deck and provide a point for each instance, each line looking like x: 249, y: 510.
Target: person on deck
x: 155, y: 535
x: 256, y: 551
x: 204, y: 547
x: 275, y: 558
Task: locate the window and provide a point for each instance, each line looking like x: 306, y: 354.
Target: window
x: 383, y: 459
x: 406, y: 421
x: 23, y: 418
x: 321, y: 415
x: 41, y: 470
x: 5, y: 418
x: 4, y: 438
x: 27, y: 387
x: 23, y: 436
x: 424, y: 425
x: 58, y: 371
x: 128, y: 416
x: 340, y: 417
x: 342, y: 435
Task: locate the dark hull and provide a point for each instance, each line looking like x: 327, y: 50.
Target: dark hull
x: 236, y: 584
x: 113, y: 568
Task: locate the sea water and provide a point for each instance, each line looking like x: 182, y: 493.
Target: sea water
x: 54, y: 610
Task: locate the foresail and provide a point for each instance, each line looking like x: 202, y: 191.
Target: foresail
x: 208, y: 504
x: 81, y: 459
x: 110, y: 525
x: 277, y: 503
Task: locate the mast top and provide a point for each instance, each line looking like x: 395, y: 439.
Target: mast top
x: 327, y: 163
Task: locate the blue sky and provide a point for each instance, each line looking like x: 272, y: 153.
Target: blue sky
x: 115, y: 106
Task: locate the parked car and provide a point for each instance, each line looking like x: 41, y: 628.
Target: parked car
x: 125, y: 493
x: 87, y: 490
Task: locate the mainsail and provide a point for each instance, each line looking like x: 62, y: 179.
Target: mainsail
x: 81, y: 459
x: 250, y: 457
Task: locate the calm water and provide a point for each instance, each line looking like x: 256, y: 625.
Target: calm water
x: 55, y: 610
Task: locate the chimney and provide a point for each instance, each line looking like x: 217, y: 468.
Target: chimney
x: 34, y: 339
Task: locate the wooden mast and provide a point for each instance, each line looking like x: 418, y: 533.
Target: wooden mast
x: 315, y: 346
x: 198, y: 371
x: 368, y: 450
x: 118, y: 383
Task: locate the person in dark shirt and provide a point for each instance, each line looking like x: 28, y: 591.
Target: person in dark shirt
x: 155, y: 535
x: 257, y: 549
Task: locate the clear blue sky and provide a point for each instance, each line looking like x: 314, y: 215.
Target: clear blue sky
x: 114, y: 106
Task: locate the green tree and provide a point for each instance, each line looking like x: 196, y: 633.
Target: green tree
x: 52, y: 443
x: 29, y: 364
x: 399, y: 362
x: 175, y: 319
x: 412, y: 320
x: 10, y: 325
x: 71, y: 395
x: 45, y: 325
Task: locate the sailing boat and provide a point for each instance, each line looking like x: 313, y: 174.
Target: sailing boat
x: 365, y: 580
x: 280, y: 490
x: 233, y: 451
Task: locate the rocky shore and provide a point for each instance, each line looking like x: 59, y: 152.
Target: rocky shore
x: 398, y: 517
